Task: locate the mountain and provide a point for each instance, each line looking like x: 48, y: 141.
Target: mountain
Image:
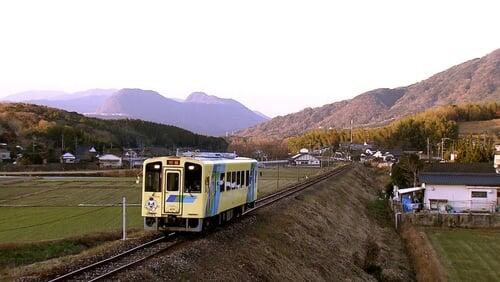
x: 201, y: 113
x: 474, y: 81
x: 83, y: 101
x: 28, y: 125
x: 33, y: 95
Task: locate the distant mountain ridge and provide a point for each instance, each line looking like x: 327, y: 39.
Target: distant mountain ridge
x: 199, y: 112
x: 477, y: 80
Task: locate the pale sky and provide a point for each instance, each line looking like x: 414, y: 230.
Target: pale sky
x: 274, y: 56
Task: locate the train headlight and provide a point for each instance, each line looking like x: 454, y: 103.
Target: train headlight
x: 191, y: 167
x: 157, y: 166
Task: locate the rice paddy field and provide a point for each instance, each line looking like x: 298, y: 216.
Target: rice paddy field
x: 468, y: 254
x: 53, y: 208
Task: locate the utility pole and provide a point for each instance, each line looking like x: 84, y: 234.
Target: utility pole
x: 442, y: 149
x: 76, y: 143
x: 62, y: 143
x: 351, y: 131
x: 428, y: 151
x: 124, y: 218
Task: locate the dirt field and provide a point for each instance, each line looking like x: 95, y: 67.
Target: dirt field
x: 326, y: 233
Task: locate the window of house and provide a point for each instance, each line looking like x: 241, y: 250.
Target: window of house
x: 479, y: 194
x: 222, y: 182
x: 436, y: 204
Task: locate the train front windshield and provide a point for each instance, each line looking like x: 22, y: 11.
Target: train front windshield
x: 192, y: 178
x: 153, y: 177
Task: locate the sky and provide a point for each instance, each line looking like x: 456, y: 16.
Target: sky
x: 276, y: 57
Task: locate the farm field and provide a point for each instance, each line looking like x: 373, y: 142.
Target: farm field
x: 490, y: 127
x: 52, y: 208
x: 468, y: 254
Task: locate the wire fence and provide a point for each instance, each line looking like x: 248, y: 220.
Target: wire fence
x: 48, y: 208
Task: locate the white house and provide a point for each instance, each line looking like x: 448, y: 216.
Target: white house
x: 110, y: 160
x: 459, y: 190
x: 68, y: 158
x: 4, y: 155
x: 305, y: 159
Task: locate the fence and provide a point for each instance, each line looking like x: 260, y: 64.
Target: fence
x: 446, y: 207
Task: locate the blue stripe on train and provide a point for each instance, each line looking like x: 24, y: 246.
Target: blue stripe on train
x: 177, y: 198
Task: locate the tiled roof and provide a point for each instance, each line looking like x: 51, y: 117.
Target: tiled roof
x: 476, y: 179
x: 460, y: 168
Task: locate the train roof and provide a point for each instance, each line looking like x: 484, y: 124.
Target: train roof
x: 205, y: 159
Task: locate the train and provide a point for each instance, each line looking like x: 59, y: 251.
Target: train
x: 193, y: 192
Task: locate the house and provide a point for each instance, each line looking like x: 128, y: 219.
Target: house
x: 110, y: 161
x: 456, y: 187
x: 86, y: 154
x: 4, y: 155
x: 303, y: 158
x: 68, y: 158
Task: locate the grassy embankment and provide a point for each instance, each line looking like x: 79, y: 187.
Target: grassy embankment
x: 43, y: 218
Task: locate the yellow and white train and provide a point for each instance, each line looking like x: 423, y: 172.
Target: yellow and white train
x: 197, y: 191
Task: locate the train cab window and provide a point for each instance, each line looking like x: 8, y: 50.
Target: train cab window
x: 247, y: 178
x: 222, y: 182
x: 233, y: 180
x: 192, y: 178
x: 153, y: 177
x: 172, y: 181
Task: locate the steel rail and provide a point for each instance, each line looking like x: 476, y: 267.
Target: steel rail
x: 110, y: 259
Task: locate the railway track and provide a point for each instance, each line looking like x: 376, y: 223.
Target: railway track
x: 112, y: 265
x: 109, y: 266
x: 297, y: 187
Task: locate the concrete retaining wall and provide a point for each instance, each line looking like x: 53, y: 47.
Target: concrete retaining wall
x: 453, y: 220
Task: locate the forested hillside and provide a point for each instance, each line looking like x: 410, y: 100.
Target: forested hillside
x: 408, y: 133
x: 40, y: 130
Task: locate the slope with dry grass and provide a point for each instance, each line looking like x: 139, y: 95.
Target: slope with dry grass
x: 328, y: 232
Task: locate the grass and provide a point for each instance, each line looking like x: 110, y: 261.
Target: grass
x: 379, y: 211
x: 468, y: 254
x: 40, y: 209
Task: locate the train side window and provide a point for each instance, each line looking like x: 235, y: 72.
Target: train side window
x: 247, y: 178
x: 228, y: 181
x: 222, y: 182
x: 238, y: 179
x: 233, y: 180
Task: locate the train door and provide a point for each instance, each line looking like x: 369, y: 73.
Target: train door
x: 173, y: 191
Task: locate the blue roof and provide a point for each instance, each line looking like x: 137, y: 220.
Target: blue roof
x: 475, y: 179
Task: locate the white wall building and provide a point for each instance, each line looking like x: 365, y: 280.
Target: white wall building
x: 68, y: 158
x: 461, y: 192
x: 305, y: 159
x: 110, y: 160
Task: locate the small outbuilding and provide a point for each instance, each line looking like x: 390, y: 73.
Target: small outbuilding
x: 305, y: 159
x: 68, y: 158
x: 110, y: 161
x: 4, y: 155
x: 455, y: 188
